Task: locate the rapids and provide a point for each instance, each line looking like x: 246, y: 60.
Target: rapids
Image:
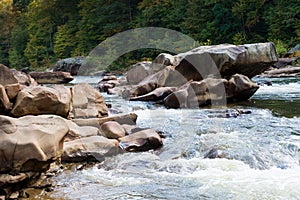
x: 259, y: 152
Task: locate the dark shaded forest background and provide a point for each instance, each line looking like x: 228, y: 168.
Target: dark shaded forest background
x: 37, y: 33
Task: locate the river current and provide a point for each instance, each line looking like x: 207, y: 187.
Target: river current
x: 258, y: 153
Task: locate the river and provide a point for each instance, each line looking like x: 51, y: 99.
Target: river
x: 259, y: 152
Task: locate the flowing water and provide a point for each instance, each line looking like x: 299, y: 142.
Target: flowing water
x: 259, y: 153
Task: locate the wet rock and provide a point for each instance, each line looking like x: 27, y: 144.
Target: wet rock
x: 52, y: 77
x: 5, y: 105
x: 178, y: 99
x: 141, y: 89
x: 290, y: 71
x: 107, y: 83
x: 36, y: 100
x: 233, y: 113
x: 219, y: 61
x: 12, y: 90
x: 76, y: 132
x: 283, y: 62
x: 216, y: 153
x: 141, y: 141
x: 156, y: 95
x: 70, y: 65
x: 130, y: 129
x: 200, y: 93
x: 30, y: 143
x: 94, y: 148
x: 161, y: 61
x: 112, y: 130
x: 138, y: 72
x: 240, y: 88
x: 87, y: 102
x: 96, y: 122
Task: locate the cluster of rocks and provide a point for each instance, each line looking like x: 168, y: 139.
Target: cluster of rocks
x: 288, y: 71
x: 198, y: 77
x: 41, y: 125
x: 288, y: 66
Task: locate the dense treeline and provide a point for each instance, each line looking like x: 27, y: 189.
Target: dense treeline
x: 36, y: 33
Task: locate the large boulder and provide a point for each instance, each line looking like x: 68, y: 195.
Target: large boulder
x: 70, y: 65
x: 87, y: 102
x: 36, y: 100
x: 211, y: 90
x: 247, y: 59
x: 30, y: 143
x: 51, y: 77
x: 94, y: 148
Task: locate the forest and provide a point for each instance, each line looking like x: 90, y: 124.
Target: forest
x: 37, y: 33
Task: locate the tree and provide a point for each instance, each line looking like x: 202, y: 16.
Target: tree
x: 7, y: 21
x: 283, y: 20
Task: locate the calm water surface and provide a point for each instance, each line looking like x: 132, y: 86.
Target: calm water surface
x: 260, y: 152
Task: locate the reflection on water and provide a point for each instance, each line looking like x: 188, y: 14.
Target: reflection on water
x: 260, y: 153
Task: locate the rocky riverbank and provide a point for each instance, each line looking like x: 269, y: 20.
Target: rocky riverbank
x: 44, y: 126
x: 40, y: 127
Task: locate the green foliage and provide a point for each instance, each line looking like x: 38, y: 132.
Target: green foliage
x: 281, y: 47
x: 239, y: 38
x: 283, y: 20
x: 36, y: 33
x: 64, y: 41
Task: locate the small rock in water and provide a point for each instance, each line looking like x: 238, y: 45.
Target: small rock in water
x: 236, y: 112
